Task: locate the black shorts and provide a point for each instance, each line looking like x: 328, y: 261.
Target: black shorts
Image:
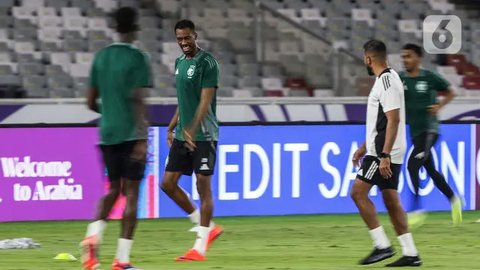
x: 370, y: 173
x: 201, y: 160
x: 120, y: 164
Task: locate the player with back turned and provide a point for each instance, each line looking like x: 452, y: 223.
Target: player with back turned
x: 384, y: 150
x: 193, y: 146
x: 421, y: 89
x: 119, y: 76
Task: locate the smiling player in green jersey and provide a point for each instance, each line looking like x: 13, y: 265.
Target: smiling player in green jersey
x: 193, y: 147
x: 421, y: 90
x: 119, y: 76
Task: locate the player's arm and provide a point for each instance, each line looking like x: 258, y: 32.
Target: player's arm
x: 92, y: 96
x: 142, y: 80
x: 358, y: 155
x: 171, y: 127
x: 209, y: 86
x: 443, y: 86
x: 449, y: 95
x: 92, y: 91
x: 202, y: 110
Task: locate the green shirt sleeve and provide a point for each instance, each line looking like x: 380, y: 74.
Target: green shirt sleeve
x: 210, y: 73
x: 439, y: 83
x: 141, y: 72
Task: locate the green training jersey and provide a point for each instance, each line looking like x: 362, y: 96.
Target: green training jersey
x: 193, y: 75
x: 117, y: 70
x: 420, y: 93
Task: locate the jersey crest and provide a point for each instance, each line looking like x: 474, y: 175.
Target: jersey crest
x: 191, y: 71
x: 421, y: 86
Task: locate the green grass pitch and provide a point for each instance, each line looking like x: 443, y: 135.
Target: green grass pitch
x: 289, y: 242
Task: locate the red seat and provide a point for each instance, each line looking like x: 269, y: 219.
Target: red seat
x: 455, y: 59
x: 296, y: 83
x: 472, y: 82
x: 273, y: 93
x: 471, y: 70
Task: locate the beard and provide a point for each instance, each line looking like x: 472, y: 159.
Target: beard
x: 370, y: 70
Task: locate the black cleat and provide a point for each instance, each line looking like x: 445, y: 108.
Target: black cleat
x: 406, y: 261
x: 378, y: 255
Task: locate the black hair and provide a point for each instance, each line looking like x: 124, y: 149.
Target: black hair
x: 415, y: 48
x: 184, y: 24
x: 376, y: 46
x: 126, y: 19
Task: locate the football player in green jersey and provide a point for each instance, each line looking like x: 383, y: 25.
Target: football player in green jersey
x: 421, y: 89
x: 119, y: 75
x: 193, y: 146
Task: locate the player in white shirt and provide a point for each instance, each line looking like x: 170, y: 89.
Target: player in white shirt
x: 384, y: 151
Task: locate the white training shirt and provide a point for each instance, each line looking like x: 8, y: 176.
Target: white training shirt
x: 387, y: 94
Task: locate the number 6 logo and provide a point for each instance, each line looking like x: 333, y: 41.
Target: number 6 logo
x: 442, y: 34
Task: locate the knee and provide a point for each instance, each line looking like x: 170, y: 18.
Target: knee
x: 114, y: 192
x: 390, y: 203
x: 203, y: 187
x: 357, y: 196
x: 168, y: 187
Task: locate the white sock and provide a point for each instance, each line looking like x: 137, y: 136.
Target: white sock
x: 380, y: 239
x: 96, y: 228
x: 123, y: 250
x: 195, y: 217
x: 408, y: 246
x: 202, y: 239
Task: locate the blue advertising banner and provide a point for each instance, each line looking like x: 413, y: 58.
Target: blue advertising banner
x: 307, y: 169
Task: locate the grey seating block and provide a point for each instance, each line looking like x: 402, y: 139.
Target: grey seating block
x: 96, y: 35
x: 53, y: 70
x: 228, y: 81
x: 9, y: 80
x: 33, y: 82
x: 49, y: 47
x: 59, y: 81
x: 25, y: 58
x: 83, y: 5
x: 6, y: 21
x: 30, y: 68
x: 74, y: 45
x: 71, y: 34
x: 61, y: 93
x: 5, y: 70
x: 56, y: 3
x: 97, y: 45
x: 249, y: 82
x: 7, y: 3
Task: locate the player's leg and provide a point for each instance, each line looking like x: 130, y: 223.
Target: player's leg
x: 361, y: 187
x: 204, y: 162
x: 382, y: 246
x: 442, y: 185
x: 179, y: 162
x: 94, y: 235
x: 134, y: 159
x: 399, y: 220
x: 415, y: 162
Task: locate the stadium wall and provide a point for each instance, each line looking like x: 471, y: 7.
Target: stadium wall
x: 55, y: 173
x: 73, y: 111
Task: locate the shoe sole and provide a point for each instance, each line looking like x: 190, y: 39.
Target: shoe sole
x: 213, y: 239
x: 416, y: 264
x: 382, y: 259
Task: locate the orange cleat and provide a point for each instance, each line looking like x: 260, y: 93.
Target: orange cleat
x: 190, y: 256
x: 215, y: 232
x: 116, y: 265
x: 89, y: 253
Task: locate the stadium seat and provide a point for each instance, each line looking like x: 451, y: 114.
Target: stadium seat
x: 53, y: 70
x: 472, y: 82
x: 62, y: 59
x: 272, y: 84
x: 273, y: 93
x: 5, y: 70
x: 30, y: 69
x: 106, y: 5
x: 50, y: 22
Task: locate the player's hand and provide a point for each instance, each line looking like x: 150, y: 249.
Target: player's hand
x: 385, y: 170
x: 170, y: 137
x: 189, y: 143
x: 357, y: 156
x: 434, y: 109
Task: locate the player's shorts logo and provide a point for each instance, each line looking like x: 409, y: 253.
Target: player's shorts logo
x: 191, y: 71
x: 442, y: 34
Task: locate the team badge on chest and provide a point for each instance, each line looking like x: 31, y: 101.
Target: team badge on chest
x: 191, y: 71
